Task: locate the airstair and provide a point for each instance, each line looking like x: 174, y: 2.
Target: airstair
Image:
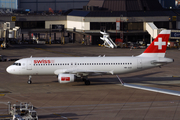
x: 108, y: 42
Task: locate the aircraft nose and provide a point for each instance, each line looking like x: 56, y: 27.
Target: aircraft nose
x: 9, y: 70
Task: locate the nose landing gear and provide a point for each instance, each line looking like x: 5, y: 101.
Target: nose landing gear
x: 29, y: 81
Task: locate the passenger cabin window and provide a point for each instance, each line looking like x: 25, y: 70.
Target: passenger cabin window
x: 57, y: 64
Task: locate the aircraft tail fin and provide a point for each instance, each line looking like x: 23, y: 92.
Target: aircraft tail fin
x: 158, y: 47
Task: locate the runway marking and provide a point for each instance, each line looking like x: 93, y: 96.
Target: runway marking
x: 114, y: 104
x: 175, y: 76
x: 4, y: 103
x: 5, y: 117
x: 2, y: 94
x: 5, y: 92
x: 3, y: 114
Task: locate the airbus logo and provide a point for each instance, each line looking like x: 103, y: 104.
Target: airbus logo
x: 160, y: 43
x: 43, y: 61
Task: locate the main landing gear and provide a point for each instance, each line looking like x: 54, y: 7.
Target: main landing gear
x: 29, y: 81
x: 86, y: 81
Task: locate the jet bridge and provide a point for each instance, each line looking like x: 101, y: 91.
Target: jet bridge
x: 107, y: 40
x: 152, y: 30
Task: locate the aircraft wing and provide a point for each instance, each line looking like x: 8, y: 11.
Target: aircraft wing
x: 153, y: 89
x: 81, y: 72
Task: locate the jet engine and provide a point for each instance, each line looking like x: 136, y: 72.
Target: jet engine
x: 66, y: 78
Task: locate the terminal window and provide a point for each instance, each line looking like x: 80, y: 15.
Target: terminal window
x: 112, y: 25
x: 31, y: 24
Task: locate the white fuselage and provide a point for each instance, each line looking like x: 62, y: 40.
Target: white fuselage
x: 67, y: 68
x: 109, y: 65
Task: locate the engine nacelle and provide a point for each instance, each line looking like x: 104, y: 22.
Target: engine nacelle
x: 66, y: 78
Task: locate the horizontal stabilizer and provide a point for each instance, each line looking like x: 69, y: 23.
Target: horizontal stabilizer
x: 162, y: 61
x: 159, y: 63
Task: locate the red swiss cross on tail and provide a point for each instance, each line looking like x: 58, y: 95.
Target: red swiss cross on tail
x: 158, y: 47
x: 160, y: 43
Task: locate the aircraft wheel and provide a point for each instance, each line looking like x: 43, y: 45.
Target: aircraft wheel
x: 87, y: 82
x: 84, y: 79
x: 29, y: 82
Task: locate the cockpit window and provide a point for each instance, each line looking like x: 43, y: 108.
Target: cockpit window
x: 17, y: 64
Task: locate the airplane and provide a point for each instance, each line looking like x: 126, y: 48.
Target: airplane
x: 68, y: 68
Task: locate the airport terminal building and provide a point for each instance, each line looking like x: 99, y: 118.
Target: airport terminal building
x: 134, y: 18
x: 129, y: 20
x: 56, y: 5
x: 42, y: 5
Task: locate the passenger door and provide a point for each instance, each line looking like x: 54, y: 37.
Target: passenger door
x: 29, y: 64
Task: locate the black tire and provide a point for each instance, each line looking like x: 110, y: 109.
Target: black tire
x: 29, y: 82
x: 87, y: 82
x: 84, y: 79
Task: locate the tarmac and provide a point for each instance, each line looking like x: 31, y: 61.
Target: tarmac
x: 104, y: 99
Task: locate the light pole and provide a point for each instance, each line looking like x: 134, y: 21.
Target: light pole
x: 122, y: 27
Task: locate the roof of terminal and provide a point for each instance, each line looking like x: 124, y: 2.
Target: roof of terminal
x: 79, y: 13
x: 126, y: 5
x: 121, y: 13
x: 126, y: 8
